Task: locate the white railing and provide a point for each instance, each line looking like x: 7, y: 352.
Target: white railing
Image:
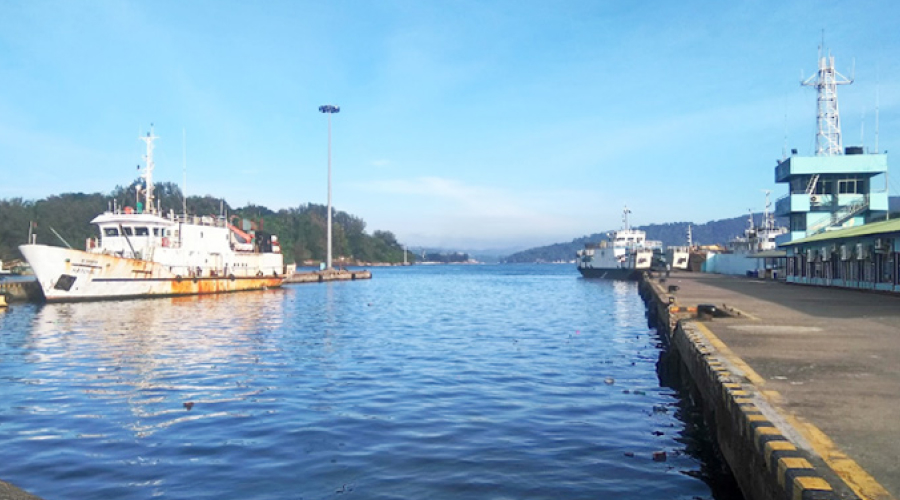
x: 839, y: 217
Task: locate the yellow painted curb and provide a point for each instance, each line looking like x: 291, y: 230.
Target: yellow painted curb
x: 856, y: 478
x: 860, y: 481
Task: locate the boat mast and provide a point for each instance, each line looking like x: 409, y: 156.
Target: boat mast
x: 625, y: 213
x: 148, y: 172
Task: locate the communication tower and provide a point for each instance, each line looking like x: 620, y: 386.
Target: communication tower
x: 826, y: 80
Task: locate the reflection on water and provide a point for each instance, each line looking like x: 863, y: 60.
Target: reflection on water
x: 148, y: 355
x: 446, y: 382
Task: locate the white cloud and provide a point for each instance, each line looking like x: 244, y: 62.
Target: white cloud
x: 441, y: 211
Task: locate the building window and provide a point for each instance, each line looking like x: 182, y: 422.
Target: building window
x: 798, y: 222
x: 825, y: 186
x: 850, y: 186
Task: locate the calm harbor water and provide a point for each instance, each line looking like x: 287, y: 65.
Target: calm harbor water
x: 438, y: 382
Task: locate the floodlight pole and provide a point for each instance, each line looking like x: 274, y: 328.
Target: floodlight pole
x: 328, y: 109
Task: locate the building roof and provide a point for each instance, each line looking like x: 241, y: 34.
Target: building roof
x: 888, y: 226
x: 769, y: 254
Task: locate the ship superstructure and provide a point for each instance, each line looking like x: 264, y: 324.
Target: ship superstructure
x: 625, y: 254
x: 141, y: 252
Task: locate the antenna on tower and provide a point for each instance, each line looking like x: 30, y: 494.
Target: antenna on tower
x: 784, y: 147
x: 877, y: 85
x: 862, y: 129
x: 828, y: 120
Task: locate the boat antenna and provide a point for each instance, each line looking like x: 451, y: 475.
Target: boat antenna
x: 184, y: 172
x: 768, y: 224
x: 148, y: 174
x: 625, y: 213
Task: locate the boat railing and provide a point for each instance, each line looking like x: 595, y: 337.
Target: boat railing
x: 199, y: 220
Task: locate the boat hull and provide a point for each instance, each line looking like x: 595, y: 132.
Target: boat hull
x: 67, y: 275
x: 610, y: 273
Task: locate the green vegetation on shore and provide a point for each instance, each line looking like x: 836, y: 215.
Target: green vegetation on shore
x: 301, y: 230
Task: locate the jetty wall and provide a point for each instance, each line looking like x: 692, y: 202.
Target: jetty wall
x: 327, y: 275
x: 765, y: 463
x: 21, y: 291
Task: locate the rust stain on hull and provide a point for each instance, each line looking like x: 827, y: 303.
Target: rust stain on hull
x: 204, y: 286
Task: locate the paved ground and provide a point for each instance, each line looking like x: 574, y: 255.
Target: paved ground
x: 833, y: 356
x: 10, y: 492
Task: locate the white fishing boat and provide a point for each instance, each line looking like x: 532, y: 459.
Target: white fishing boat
x: 625, y: 255
x: 142, y: 252
x: 753, y: 254
x: 678, y: 257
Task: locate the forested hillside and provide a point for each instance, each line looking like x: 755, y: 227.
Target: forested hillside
x: 300, y: 230
x: 671, y: 234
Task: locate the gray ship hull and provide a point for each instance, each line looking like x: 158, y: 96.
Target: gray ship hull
x: 611, y: 273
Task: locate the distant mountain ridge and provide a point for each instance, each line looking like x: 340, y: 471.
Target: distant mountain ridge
x: 671, y: 234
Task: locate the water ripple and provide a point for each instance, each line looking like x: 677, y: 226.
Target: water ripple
x: 491, y: 382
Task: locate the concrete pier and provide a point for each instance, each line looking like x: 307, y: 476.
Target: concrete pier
x: 12, y: 492
x: 800, y: 384
x: 327, y: 275
x: 21, y: 291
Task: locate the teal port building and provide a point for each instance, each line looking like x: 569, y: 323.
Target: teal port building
x: 837, y: 205
x: 832, y: 192
x: 838, y: 235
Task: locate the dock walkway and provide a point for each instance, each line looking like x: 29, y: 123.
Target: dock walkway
x: 327, y: 275
x: 827, y: 359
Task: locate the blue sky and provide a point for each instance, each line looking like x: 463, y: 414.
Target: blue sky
x: 465, y: 124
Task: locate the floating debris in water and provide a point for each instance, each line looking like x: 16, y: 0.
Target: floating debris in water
x: 659, y: 456
x: 189, y: 405
x: 610, y: 381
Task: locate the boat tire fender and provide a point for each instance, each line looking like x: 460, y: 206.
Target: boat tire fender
x: 178, y: 278
x: 231, y: 277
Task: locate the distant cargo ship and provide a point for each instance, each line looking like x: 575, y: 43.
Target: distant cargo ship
x: 625, y: 255
x: 142, y: 253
